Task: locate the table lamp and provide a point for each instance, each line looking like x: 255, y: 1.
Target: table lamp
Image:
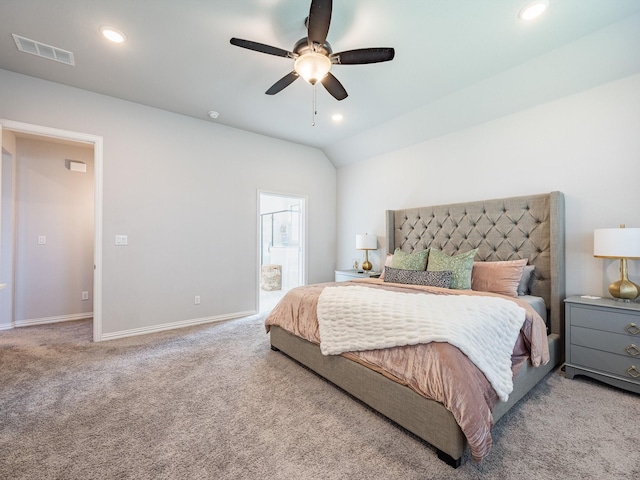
x: 624, y: 244
x: 366, y: 242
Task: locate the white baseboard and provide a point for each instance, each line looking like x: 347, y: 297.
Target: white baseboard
x: 59, y: 318
x: 6, y: 326
x: 173, y: 325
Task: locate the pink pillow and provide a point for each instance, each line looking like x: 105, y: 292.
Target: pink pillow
x: 387, y: 263
x: 498, y: 277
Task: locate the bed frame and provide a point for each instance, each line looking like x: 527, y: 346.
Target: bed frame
x: 529, y: 227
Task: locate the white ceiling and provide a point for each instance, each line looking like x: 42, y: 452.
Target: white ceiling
x: 178, y: 57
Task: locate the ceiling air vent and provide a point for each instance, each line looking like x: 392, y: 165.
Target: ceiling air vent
x: 43, y: 50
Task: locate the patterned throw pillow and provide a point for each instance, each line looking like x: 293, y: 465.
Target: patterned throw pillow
x: 415, y: 277
x: 410, y: 261
x: 461, y: 266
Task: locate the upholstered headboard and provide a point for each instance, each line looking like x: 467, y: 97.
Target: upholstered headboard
x: 529, y: 227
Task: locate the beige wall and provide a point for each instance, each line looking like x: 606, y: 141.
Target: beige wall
x: 56, y: 203
x: 185, y: 192
x: 586, y: 145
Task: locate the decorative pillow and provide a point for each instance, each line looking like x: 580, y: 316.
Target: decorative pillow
x: 387, y: 263
x: 416, y: 277
x: 498, y: 277
x: 410, y: 261
x: 524, y: 288
x: 460, y: 266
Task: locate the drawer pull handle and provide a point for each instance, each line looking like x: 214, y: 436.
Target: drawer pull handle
x: 633, y: 371
x: 632, y: 350
x: 633, y: 329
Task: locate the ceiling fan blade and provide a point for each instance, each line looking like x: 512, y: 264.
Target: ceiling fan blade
x: 319, y: 20
x: 262, y: 48
x: 284, y: 82
x: 334, y: 87
x: 363, y: 55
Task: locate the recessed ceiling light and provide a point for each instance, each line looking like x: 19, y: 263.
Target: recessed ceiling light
x: 113, y: 35
x: 337, y: 117
x: 533, y: 10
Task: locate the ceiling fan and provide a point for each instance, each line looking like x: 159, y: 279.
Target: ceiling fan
x: 313, y: 56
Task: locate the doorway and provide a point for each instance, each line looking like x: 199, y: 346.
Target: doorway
x: 62, y: 136
x: 281, y: 246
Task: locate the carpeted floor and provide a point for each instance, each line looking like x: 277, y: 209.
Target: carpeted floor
x: 215, y: 402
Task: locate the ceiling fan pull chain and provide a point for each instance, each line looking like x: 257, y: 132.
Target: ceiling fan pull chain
x: 315, y: 111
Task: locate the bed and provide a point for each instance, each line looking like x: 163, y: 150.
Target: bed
x: 499, y: 230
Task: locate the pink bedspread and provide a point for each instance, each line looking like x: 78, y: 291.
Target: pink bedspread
x: 438, y: 371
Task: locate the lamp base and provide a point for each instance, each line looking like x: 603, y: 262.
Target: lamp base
x: 624, y: 289
x: 366, y: 265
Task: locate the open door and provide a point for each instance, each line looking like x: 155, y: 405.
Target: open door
x: 6, y: 235
x: 281, y: 238
x: 7, y: 222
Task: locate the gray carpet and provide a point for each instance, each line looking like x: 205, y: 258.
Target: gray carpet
x: 215, y: 402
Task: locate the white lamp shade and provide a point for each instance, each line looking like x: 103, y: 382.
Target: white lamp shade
x: 366, y: 242
x: 616, y: 243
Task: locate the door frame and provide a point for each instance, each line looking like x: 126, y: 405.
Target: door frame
x: 97, y: 142
x: 303, y: 237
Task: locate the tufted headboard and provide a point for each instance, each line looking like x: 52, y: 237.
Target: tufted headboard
x: 529, y: 227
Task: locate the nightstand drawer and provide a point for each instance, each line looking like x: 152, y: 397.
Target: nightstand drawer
x: 606, y: 320
x: 343, y: 277
x: 627, y: 368
x: 606, y: 341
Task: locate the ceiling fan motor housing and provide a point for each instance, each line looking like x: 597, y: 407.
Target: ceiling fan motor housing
x: 302, y: 46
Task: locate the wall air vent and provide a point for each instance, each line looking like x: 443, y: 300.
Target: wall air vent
x: 43, y: 50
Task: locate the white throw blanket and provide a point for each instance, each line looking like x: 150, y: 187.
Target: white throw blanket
x: 485, y: 329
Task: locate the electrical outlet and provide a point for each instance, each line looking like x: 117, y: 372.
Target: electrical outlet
x: 85, y: 295
x: 197, y: 300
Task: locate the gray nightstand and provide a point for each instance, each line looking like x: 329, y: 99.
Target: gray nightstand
x: 346, y: 275
x: 602, y: 341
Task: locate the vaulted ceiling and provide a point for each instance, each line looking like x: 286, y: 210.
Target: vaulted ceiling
x: 178, y: 57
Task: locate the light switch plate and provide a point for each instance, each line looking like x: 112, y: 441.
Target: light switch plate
x: 42, y: 239
x: 122, y: 240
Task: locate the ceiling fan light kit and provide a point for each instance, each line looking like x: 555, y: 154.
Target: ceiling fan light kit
x: 312, y: 66
x: 312, y: 55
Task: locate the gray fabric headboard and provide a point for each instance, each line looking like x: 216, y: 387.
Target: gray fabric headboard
x: 529, y: 227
